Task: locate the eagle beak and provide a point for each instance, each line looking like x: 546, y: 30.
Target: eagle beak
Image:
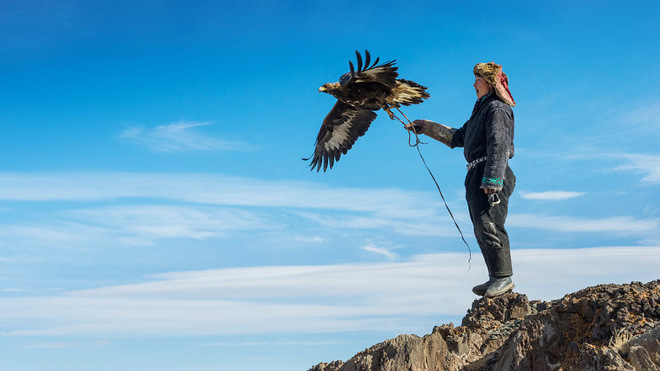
x: 322, y: 89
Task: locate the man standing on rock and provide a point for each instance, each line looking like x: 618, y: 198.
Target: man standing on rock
x: 487, y: 139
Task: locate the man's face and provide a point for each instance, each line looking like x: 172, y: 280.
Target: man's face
x: 481, y: 86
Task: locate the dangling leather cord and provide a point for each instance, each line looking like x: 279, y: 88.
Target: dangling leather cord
x: 416, y: 145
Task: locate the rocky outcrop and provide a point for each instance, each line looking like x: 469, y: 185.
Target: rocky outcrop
x: 606, y: 327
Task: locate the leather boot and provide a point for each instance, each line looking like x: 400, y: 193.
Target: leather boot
x: 499, y: 286
x: 481, y: 289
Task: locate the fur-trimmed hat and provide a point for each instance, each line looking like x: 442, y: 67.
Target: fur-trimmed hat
x: 493, y: 74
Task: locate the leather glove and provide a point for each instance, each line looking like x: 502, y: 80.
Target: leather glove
x: 417, y: 126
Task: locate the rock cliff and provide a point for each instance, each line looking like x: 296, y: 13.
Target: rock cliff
x: 606, y: 327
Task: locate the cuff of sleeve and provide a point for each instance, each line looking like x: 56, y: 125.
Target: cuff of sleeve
x: 495, y: 183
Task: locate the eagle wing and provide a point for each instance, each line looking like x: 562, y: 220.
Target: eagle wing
x: 340, y: 129
x: 385, y: 73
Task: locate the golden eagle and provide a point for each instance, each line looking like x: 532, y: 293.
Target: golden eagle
x: 359, y: 93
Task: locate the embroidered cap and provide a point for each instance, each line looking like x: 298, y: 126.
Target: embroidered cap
x: 493, y: 74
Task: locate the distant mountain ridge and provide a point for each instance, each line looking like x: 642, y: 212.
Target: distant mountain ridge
x: 605, y: 327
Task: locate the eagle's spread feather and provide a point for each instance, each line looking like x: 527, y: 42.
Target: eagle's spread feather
x: 359, y: 93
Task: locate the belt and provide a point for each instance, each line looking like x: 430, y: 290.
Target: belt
x: 476, y: 162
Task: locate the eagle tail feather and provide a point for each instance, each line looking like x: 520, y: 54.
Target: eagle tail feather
x: 408, y: 92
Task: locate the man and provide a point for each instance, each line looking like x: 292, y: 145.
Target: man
x: 487, y: 139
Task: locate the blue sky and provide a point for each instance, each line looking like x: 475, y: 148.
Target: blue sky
x: 155, y: 213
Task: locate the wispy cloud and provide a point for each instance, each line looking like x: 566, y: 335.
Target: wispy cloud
x: 621, y: 224
x: 550, y: 195
x: 367, y: 205
x: 381, y: 251
x: 212, y: 189
x: 109, y: 209
x: 646, y: 117
x: 179, y: 137
x: 312, y: 239
x: 435, y: 225
x: 12, y: 290
x: 58, y: 345
x: 72, y: 344
x: 311, y: 299
x: 648, y: 165
x: 136, y: 225
x: 138, y: 209
x: 175, y: 221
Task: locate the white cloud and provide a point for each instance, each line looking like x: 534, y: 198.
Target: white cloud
x: 58, y: 345
x: 212, y: 189
x: 381, y: 251
x: 647, y: 117
x: 175, y: 221
x: 410, y: 226
x: 649, y: 165
x: 313, y: 239
x: 646, y: 164
x: 136, y: 225
x: 72, y: 344
x: 312, y: 299
x: 147, y: 207
x: 178, y: 137
x: 621, y: 224
x: 404, y: 212
x: 550, y: 195
x: 12, y: 290
x: 59, y: 232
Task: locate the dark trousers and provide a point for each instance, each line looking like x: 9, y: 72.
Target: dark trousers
x: 488, y: 221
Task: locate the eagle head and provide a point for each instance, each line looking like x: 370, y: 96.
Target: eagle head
x: 329, y: 87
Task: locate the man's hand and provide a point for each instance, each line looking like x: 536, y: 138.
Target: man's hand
x: 417, y: 126
x: 493, y: 197
x: 489, y: 191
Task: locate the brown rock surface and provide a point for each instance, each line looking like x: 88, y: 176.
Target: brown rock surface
x: 606, y: 327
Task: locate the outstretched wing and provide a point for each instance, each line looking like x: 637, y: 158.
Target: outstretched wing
x: 340, y: 129
x: 385, y: 73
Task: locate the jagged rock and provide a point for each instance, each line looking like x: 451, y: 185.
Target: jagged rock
x: 606, y: 327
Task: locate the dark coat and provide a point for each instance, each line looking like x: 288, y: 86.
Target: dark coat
x: 488, y: 133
